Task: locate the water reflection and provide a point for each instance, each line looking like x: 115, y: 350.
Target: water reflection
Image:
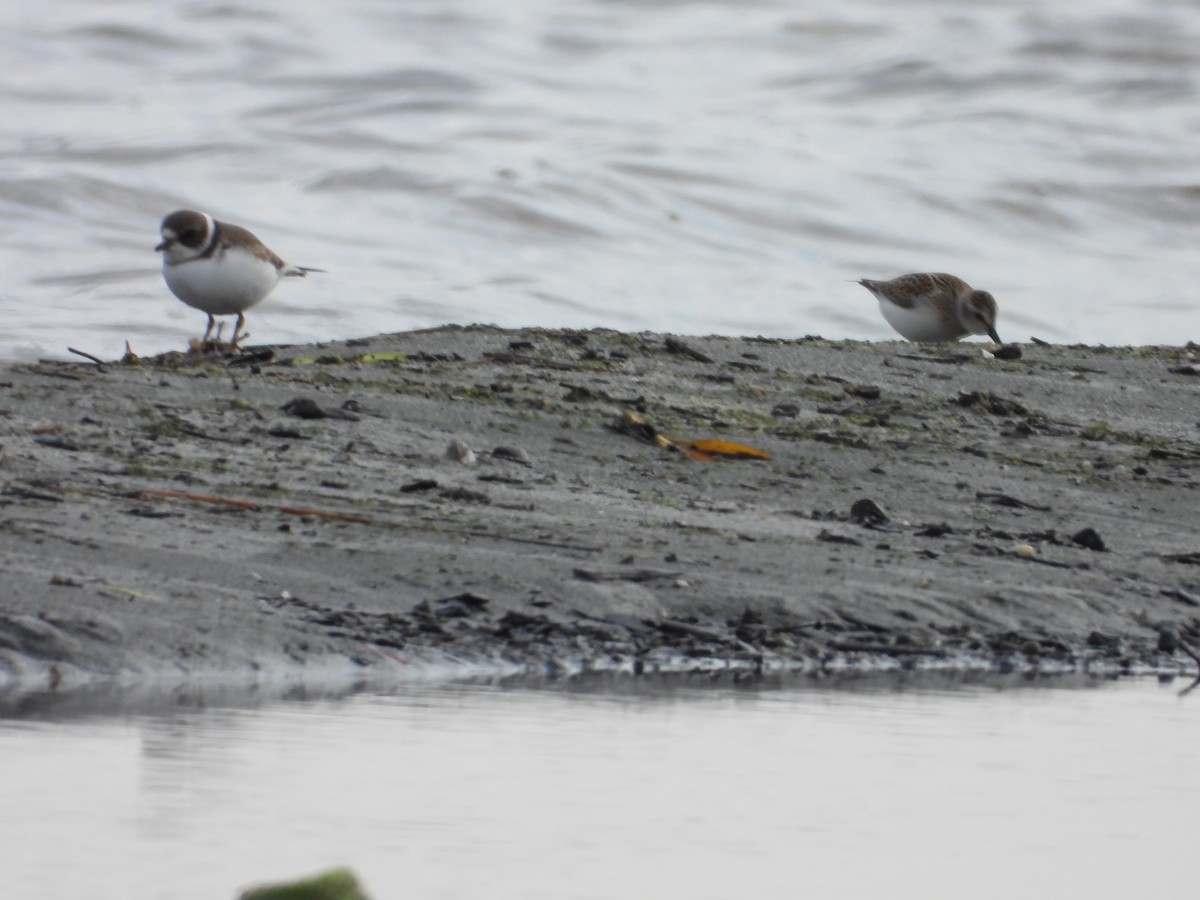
x: 611, y: 788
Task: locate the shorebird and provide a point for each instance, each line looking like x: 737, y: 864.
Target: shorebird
x: 934, y: 307
x: 218, y: 268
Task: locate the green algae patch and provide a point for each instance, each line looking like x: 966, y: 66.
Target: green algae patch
x: 384, y: 356
x: 337, y: 884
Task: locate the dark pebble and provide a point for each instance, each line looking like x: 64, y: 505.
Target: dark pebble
x: 1090, y: 539
x: 750, y: 617
x: 829, y: 537
x: 867, y: 512
x: 290, y: 434
x: 674, y: 345
x: 513, y: 454
x: 422, y: 484
x: 1181, y: 595
x: 304, y: 408
x: 935, y: 530
x: 862, y: 391
x: 465, y: 495
x: 581, y: 395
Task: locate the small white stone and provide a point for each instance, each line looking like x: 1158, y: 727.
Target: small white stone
x: 460, y: 452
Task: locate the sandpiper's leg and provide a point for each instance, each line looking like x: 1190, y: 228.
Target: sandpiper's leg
x: 208, y: 330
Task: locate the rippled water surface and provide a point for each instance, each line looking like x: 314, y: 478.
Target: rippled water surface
x: 470, y: 792
x: 724, y: 166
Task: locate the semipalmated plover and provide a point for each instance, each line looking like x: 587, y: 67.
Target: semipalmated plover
x: 934, y: 307
x: 217, y: 268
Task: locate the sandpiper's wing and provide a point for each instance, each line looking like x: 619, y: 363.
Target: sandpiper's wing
x: 908, y: 291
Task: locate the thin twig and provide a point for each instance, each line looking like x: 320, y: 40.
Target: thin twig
x: 1194, y: 655
x: 97, y: 360
x: 1177, y: 643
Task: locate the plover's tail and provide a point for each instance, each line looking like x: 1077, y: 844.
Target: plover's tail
x: 299, y: 271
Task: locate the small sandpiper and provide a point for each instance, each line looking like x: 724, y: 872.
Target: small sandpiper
x: 217, y: 268
x: 934, y: 307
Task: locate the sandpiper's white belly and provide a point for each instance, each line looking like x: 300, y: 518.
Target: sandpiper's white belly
x: 222, y: 285
x: 918, y: 323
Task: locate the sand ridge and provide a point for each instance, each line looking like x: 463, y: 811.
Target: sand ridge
x: 296, y: 509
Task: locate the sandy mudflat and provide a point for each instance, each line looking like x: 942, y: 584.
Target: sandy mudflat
x: 182, y: 519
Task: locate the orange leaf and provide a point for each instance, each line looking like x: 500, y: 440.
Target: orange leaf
x: 700, y: 455
x: 727, y: 448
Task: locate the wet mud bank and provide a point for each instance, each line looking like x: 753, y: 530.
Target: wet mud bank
x: 476, y: 499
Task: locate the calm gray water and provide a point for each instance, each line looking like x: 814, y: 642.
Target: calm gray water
x: 721, y: 166
x: 485, y: 792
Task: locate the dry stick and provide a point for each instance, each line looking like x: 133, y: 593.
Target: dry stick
x: 202, y: 498
x: 51, y: 373
x: 332, y: 516
x: 1188, y: 650
x: 299, y: 511
x: 97, y: 360
x: 19, y: 490
x: 1143, y: 620
x: 361, y: 520
x: 707, y: 634
x: 885, y: 649
x: 1194, y: 655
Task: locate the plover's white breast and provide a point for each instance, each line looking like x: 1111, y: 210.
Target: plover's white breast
x: 227, y: 283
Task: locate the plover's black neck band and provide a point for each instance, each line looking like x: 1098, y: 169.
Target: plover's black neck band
x: 214, y: 240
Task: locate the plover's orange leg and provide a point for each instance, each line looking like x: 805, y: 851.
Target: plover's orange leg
x: 237, y: 330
